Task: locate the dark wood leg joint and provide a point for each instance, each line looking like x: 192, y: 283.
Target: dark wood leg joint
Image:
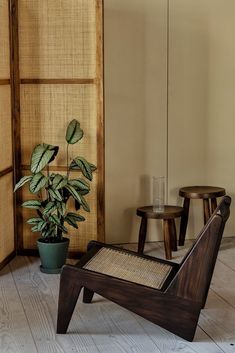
x: 213, y: 204
x: 142, y: 235
x: 184, y: 221
x: 206, y: 209
x: 173, y: 235
x: 167, y: 238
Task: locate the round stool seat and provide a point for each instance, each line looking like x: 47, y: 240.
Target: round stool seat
x: 201, y: 192
x: 170, y: 212
x: 169, y: 230
x: 208, y: 194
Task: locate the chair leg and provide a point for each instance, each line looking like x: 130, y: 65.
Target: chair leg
x: 167, y: 238
x: 184, y: 221
x: 213, y: 204
x: 142, y: 235
x: 68, y: 296
x: 173, y: 235
x: 87, y: 295
x: 206, y: 209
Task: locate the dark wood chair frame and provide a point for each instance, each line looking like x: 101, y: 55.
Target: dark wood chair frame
x: 176, y: 307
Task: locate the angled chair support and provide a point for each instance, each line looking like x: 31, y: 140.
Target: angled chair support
x: 166, y: 293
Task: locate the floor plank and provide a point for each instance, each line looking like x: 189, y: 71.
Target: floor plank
x: 15, y: 334
x: 40, y: 308
x: 28, y: 308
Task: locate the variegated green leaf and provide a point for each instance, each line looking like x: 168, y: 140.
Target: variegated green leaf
x: 41, y: 225
x: 35, y: 229
x: 85, y: 204
x: 54, y: 219
x: 74, y: 193
x: 93, y: 167
x: 61, y: 206
x: 74, y: 133
x: 71, y: 221
x: 82, y: 164
x: 76, y: 216
x: 55, y: 195
x: 80, y: 184
x: 23, y: 181
x: 59, y: 181
x: 63, y: 228
x: 49, y: 208
x: 42, y: 155
x: 37, y: 183
x: 34, y: 220
x: 35, y: 204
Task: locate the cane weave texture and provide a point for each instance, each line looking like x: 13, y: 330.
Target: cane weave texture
x: 5, y: 128
x: 57, y: 38
x: 45, y: 113
x: 4, y: 41
x: 6, y: 217
x: 129, y: 267
x: 80, y: 237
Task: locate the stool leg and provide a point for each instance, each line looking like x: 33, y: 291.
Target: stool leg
x: 206, y: 208
x: 167, y: 238
x: 184, y: 221
x: 213, y: 204
x: 142, y: 235
x: 173, y: 235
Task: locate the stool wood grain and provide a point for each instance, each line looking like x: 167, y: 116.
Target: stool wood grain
x: 169, y: 229
x: 209, y: 196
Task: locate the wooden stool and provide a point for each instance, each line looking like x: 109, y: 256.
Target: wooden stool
x: 169, y: 230
x: 206, y: 193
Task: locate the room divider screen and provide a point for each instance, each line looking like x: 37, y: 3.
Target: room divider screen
x: 7, y: 243
x: 57, y: 75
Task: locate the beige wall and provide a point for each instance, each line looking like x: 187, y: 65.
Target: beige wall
x: 193, y: 143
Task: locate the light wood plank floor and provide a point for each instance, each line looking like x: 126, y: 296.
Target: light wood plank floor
x: 28, y: 309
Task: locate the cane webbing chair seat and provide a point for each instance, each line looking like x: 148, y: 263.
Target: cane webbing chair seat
x: 166, y: 293
x: 129, y: 267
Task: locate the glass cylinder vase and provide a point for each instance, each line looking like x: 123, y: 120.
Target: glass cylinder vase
x: 158, y: 194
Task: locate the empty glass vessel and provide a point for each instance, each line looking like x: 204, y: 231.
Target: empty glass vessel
x: 158, y: 194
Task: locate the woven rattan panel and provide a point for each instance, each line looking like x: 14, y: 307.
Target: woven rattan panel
x: 129, y: 267
x: 6, y: 217
x: 57, y: 38
x: 45, y: 113
x: 78, y: 237
x: 60, y: 72
x: 5, y: 128
x: 4, y: 41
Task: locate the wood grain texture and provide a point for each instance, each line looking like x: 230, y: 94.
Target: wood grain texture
x: 118, y: 330
x: 175, y: 306
x: 7, y: 238
x: 4, y: 40
x: 15, y: 334
x: 100, y: 120
x: 5, y: 127
x: 15, y: 111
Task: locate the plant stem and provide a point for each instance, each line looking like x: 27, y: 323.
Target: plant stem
x: 48, y: 175
x: 67, y: 160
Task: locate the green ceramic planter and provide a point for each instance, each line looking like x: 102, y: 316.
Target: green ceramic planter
x: 52, y: 255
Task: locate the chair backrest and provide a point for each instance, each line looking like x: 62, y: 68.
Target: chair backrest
x: 194, y: 275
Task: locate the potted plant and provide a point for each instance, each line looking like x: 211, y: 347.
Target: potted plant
x: 52, y: 192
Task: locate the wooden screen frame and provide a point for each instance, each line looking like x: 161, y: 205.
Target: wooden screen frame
x: 10, y: 169
x: 15, y: 90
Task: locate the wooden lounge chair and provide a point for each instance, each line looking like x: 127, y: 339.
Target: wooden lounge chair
x: 168, y: 294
